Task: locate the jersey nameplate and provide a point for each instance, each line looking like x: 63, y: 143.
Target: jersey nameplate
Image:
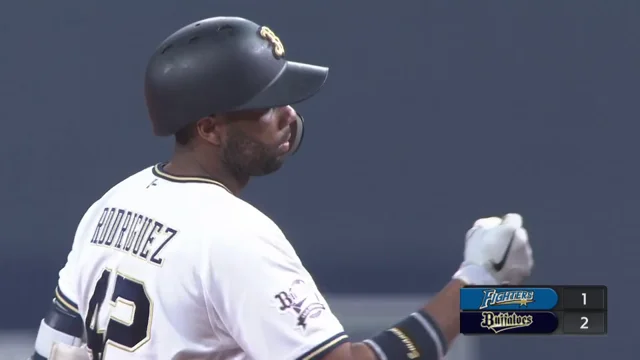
x: 133, y: 233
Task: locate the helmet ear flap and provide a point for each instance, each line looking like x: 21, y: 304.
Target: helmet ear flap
x: 297, y: 134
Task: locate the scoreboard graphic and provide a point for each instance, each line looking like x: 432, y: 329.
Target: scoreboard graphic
x: 557, y: 310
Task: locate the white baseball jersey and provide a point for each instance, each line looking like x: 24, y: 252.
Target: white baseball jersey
x: 167, y: 267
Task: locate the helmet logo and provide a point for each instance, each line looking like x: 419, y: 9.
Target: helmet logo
x: 270, y: 36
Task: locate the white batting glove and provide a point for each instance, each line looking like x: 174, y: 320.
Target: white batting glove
x: 497, y: 251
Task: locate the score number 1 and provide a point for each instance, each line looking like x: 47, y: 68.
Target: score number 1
x: 584, y: 319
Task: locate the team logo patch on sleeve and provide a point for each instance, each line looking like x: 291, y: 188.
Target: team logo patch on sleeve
x: 302, y: 300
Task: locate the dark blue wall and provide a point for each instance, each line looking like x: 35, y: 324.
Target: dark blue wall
x: 435, y: 113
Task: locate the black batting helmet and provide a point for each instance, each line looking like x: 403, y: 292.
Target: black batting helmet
x: 224, y: 64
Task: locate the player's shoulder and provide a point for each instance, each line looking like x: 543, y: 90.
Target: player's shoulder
x: 139, y: 177
x: 237, y: 216
x: 144, y: 176
x: 134, y: 179
x: 236, y: 222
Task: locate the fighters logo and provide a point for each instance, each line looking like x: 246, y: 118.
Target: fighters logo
x: 302, y: 300
x: 495, y: 298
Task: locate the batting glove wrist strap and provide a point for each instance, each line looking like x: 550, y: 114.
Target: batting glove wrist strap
x: 415, y: 337
x: 472, y: 274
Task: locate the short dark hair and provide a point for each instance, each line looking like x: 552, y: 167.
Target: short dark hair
x: 184, y: 135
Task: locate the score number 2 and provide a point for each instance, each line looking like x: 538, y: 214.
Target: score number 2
x: 585, y: 321
x: 129, y: 333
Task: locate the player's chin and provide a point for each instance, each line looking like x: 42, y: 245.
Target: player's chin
x: 269, y: 167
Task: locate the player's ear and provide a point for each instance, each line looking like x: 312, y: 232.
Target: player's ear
x: 211, y: 129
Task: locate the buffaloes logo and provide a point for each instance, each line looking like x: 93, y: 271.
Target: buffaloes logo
x: 274, y: 41
x: 303, y: 300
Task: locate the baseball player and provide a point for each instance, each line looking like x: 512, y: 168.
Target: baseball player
x: 171, y: 264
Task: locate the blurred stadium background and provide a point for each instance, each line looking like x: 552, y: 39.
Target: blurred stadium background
x: 435, y: 113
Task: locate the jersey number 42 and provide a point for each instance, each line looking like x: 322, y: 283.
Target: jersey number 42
x: 128, y: 326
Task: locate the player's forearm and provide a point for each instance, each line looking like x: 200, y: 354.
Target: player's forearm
x: 444, y: 309
x: 360, y: 351
x: 423, y: 335
x: 352, y: 351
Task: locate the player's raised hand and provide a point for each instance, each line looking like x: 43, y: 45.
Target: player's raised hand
x: 497, y: 251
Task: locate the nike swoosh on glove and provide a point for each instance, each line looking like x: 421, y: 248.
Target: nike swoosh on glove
x: 497, y: 251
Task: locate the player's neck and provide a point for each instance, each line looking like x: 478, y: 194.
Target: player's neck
x: 186, y: 164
